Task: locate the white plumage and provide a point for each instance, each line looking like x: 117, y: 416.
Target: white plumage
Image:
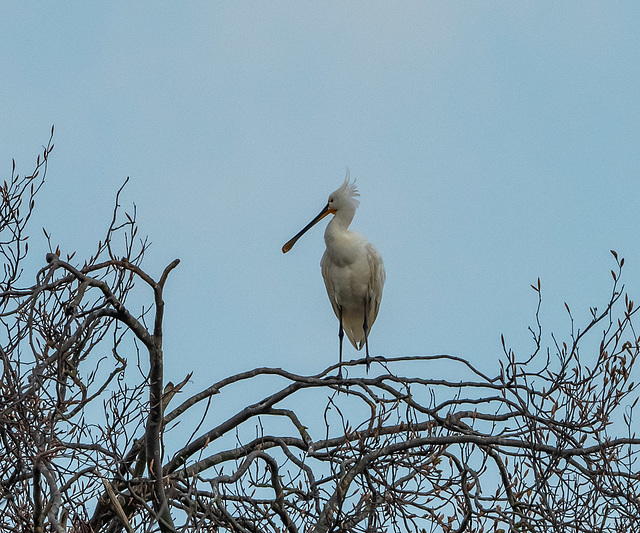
x: 352, y: 268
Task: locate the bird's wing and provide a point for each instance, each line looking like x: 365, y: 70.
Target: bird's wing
x: 325, y: 266
x: 376, y: 282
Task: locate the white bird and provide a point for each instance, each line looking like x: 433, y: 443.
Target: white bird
x: 351, y: 267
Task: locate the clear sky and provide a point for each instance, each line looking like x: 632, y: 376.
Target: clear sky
x: 492, y: 142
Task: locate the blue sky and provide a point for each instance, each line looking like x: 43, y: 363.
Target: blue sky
x: 492, y: 143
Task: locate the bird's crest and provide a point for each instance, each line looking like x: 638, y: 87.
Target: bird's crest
x: 349, y: 191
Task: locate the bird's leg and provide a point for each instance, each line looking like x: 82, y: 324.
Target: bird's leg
x: 340, y: 336
x: 365, y: 326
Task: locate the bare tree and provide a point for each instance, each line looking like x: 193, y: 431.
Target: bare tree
x: 89, y: 442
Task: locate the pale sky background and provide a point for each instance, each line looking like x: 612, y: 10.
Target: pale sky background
x: 492, y: 142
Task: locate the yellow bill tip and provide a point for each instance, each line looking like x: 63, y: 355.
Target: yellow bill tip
x: 287, y: 247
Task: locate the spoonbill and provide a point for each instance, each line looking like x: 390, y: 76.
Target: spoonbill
x: 351, y: 267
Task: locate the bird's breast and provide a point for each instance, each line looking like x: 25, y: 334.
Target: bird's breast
x: 347, y: 278
x: 346, y: 248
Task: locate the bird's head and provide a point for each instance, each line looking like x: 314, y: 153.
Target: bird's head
x: 345, y: 197
x: 342, y: 203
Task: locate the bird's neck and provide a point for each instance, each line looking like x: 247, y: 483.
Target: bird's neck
x: 338, y: 225
x: 341, y: 220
